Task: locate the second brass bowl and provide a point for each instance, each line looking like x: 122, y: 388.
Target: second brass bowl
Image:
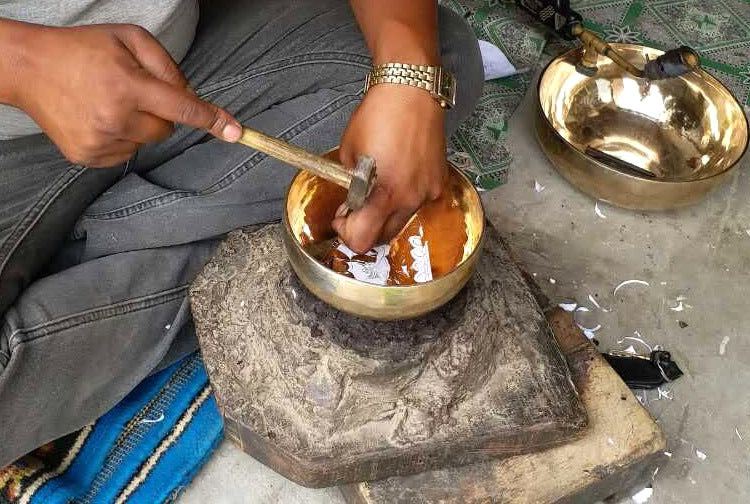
x: 377, y: 301
x: 689, y: 132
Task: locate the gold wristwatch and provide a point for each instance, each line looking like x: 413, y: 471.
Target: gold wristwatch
x: 438, y: 82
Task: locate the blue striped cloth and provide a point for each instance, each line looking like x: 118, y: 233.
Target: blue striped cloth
x: 145, y: 450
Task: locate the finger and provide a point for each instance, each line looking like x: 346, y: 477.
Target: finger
x: 145, y: 128
x: 361, y: 229
x: 115, y: 153
x: 151, y: 55
x: 395, y: 224
x: 110, y: 160
x: 179, y: 105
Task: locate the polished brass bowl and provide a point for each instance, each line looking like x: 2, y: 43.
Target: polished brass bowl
x: 375, y: 301
x: 637, y: 144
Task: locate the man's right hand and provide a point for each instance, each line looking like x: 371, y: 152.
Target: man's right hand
x: 101, y: 91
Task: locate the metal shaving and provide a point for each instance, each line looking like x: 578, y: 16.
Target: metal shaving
x: 598, y: 211
x: 629, y: 282
x: 643, y: 496
x: 679, y: 307
x: 723, y: 345
x: 593, y: 301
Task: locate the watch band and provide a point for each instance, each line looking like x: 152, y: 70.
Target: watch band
x: 434, y: 79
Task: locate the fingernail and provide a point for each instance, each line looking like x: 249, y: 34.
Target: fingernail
x: 232, y: 132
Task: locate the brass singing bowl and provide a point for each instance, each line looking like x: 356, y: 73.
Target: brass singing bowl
x: 687, y: 132
x: 376, y: 301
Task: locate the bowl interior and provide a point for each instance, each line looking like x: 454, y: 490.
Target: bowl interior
x: 312, y: 202
x: 680, y: 129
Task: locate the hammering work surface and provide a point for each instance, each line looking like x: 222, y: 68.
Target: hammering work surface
x: 325, y: 398
x: 618, y: 451
x: 700, y: 253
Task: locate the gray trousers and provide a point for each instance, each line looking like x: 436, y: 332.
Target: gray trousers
x: 95, y: 263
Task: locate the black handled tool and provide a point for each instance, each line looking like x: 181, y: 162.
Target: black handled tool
x: 568, y: 24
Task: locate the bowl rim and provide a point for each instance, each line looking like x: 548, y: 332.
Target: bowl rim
x: 401, y: 288
x: 598, y: 163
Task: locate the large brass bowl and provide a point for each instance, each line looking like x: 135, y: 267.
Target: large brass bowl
x: 687, y: 132
x: 375, y: 301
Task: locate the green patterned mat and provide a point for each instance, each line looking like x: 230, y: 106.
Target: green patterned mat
x: 718, y: 29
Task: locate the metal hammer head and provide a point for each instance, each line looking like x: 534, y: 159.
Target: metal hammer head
x: 363, y: 180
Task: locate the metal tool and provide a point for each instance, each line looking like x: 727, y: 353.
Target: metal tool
x: 359, y: 182
x: 568, y: 24
x: 644, y: 371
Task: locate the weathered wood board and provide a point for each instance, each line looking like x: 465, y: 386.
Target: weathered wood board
x: 325, y: 398
x: 619, y: 451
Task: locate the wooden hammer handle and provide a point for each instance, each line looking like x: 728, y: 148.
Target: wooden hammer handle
x: 296, y: 156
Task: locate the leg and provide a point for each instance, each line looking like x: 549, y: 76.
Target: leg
x: 87, y: 335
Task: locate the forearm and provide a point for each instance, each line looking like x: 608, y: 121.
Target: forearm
x: 403, y: 31
x: 14, y: 56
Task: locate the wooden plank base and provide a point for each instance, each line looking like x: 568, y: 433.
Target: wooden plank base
x: 619, y: 450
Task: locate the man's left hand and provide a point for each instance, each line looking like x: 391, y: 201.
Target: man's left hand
x: 402, y: 128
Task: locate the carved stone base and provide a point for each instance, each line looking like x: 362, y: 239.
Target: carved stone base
x: 325, y: 398
x: 619, y: 451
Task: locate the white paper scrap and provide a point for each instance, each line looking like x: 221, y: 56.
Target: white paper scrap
x: 643, y: 496
x: 679, y: 307
x: 495, y: 62
x: 668, y: 454
x: 375, y: 272
x: 538, y: 187
x: 700, y: 455
x: 568, y: 307
x: 421, y: 255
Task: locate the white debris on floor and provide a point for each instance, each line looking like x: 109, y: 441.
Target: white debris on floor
x: 723, y: 345
x: 629, y: 282
x: 598, y: 211
x: 643, y: 496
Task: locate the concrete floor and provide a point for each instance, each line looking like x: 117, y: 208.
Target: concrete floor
x: 701, y: 254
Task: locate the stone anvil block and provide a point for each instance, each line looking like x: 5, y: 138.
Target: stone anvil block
x: 619, y: 452
x: 325, y: 398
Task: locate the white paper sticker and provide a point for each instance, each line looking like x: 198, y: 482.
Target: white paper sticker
x: 496, y: 64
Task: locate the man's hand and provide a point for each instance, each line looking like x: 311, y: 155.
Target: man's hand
x: 402, y: 128
x: 101, y: 91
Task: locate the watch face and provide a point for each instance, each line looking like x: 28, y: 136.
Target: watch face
x: 447, y: 89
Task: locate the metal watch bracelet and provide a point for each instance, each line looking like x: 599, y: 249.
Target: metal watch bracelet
x: 434, y: 79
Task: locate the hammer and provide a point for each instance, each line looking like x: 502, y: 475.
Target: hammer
x: 359, y: 183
